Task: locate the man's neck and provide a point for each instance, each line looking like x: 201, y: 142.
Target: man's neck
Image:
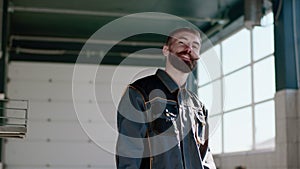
x: 178, y: 76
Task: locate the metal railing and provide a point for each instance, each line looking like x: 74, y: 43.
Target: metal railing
x: 13, y: 118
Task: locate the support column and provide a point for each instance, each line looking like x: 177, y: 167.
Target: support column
x: 287, y: 129
x: 3, y: 62
x: 287, y: 34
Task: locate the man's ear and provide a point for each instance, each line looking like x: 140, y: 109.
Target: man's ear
x: 165, y: 50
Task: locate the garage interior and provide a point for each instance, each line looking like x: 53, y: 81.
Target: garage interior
x: 248, y: 75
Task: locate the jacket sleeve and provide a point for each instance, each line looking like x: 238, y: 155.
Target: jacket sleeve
x: 208, y: 161
x: 203, y: 131
x: 131, y: 122
x: 207, y: 158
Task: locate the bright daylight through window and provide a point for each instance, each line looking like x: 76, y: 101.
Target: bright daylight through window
x: 240, y: 96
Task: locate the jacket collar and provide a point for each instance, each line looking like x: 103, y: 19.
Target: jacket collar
x: 167, y: 80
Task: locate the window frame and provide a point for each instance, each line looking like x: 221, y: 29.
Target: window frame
x: 217, y: 40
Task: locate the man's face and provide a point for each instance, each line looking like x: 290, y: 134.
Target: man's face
x: 184, y: 49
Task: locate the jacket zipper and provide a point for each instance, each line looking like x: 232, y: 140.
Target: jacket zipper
x: 151, y: 161
x: 151, y: 158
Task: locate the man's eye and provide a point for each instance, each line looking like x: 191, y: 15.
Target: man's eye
x: 196, y: 47
x: 180, y: 42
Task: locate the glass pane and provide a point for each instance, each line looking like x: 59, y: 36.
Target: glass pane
x: 264, y: 79
x: 203, y: 74
x: 210, y: 95
x: 265, y: 125
x: 215, y: 134
x: 263, y: 41
x: 267, y: 20
x: 238, y: 130
x: 209, y: 66
x: 237, y: 89
x: 236, y: 51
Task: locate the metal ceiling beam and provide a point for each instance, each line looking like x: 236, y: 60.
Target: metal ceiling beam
x: 91, y: 53
x: 13, y: 9
x: 224, y: 33
x: 82, y: 40
x: 110, y: 60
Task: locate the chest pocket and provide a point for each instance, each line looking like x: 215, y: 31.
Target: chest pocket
x: 201, y: 130
x: 200, y: 115
x: 163, y: 116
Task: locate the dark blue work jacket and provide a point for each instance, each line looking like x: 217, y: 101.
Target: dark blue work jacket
x: 161, y: 126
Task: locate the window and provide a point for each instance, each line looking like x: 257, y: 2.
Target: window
x: 236, y: 51
x: 239, y: 92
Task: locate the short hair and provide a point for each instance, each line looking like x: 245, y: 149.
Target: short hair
x: 184, y: 29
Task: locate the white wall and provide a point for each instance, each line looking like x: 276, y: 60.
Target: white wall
x: 55, y: 138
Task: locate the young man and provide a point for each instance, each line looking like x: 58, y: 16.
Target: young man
x: 161, y: 124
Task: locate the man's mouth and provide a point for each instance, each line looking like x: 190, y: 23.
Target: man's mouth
x: 184, y: 56
x: 183, y: 61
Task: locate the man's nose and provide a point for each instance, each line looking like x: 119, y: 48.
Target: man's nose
x: 188, y: 48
